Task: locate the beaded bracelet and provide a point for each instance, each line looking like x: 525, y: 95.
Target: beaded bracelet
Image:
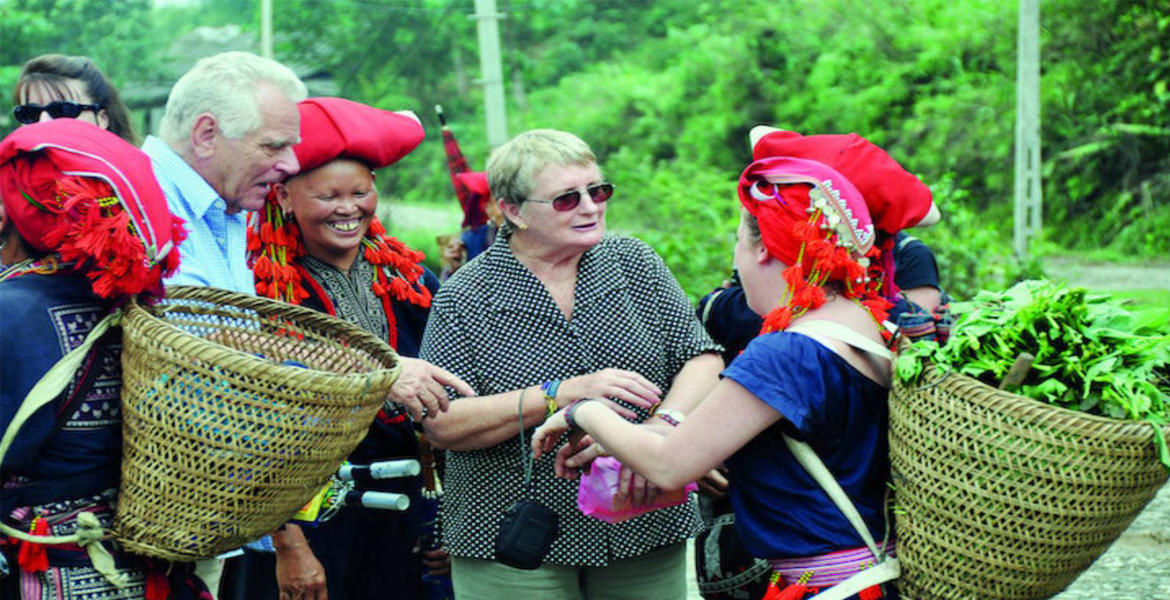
x: 671, y: 416
x: 569, y: 412
x: 549, y: 389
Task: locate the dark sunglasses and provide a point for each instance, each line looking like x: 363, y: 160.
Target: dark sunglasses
x: 569, y: 200
x: 31, y: 113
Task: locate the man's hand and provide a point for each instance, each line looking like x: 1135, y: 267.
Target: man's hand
x: 420, y: 388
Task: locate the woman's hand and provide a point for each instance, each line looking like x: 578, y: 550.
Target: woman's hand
x: 640, y: 491
x: 436, y: 562
x: 544, y: 439
x: 581, y: 450
x: 299, y: 574
x: 420, y: 388
x: 715, y: 483
x: 611, y: 383
x: 576, y: 456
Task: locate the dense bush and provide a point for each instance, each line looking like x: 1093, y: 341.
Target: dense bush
x: 667, y: 90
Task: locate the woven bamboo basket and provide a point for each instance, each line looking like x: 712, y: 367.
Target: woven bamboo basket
x: 1004, y: 497
x: 236, y: 410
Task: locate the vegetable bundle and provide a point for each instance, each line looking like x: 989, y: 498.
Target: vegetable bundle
x: 1091, y: 353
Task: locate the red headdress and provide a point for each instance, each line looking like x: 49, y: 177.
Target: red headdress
x: 819, y: 201
x: 334, y: 128
x: 90, y: 199
x: 476, y: 182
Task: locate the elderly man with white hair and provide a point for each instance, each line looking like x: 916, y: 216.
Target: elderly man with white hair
x: 227, y: 133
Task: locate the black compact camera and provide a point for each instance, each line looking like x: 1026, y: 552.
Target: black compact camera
x: 526, y: 534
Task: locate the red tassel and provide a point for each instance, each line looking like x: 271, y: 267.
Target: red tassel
x: 873, y: 592
x: 795, y: 591
x: 773, y: 589
x: 33, y: 557
x: 157, y: 586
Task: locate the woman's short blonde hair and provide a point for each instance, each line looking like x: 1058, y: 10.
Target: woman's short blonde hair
x: 513, y: 166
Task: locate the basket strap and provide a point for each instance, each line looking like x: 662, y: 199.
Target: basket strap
x: 812, y: 463
x: 887, y: 570
x: 45, y: 391
x: 843, y: 334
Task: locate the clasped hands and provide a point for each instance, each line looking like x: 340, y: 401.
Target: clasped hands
x: 603, y: 387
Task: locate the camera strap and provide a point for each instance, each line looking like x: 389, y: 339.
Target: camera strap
x: 525, y: 454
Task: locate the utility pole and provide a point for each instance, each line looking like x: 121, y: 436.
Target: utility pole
x: 266, y: 28
x: 1028, y: 204
x: 491, y: 73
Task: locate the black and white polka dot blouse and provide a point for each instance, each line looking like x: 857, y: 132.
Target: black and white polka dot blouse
x: 495, y: 325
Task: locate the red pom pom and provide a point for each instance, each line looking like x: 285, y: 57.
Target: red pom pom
x: 32, y: 557
x: 262, y: 268
x: 157, y: 586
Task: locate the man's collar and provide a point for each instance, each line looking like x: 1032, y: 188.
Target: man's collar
x: 194, y: 190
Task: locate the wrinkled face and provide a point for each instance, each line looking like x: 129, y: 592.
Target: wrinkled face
x: 762, y: 275
x: 333, y: 205
x: 577, y: 229
x: 243, y: 168
x: 68, y: 90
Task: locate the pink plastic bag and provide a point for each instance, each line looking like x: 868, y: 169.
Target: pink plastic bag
x: 597, y: 493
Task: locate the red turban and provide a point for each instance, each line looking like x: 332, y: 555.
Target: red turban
x: 78, y: 190
x: 818, y: 200
x: 335, y: 127
x: 896, y: 198
x: 476, y: 182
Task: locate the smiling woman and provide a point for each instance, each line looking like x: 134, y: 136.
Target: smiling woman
x: 334, y: 205
x: 317, y: 243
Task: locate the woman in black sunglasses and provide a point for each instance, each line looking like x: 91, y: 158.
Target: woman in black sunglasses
x: 557, y: 310
x: 55, y: 86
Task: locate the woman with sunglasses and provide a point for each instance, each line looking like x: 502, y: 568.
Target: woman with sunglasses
x: 557, y: 310
x: 55, y: 86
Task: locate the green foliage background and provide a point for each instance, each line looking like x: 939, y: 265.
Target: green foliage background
x: 666, y: 91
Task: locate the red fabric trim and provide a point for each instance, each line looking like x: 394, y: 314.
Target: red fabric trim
x: 316, y: 288
x: 391, y: 321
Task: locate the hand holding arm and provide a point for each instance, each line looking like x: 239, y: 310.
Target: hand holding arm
x: 611, y: 383
x: 421, y: 388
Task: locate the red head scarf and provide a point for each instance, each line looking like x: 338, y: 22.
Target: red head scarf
x: 812, y: 218
x: 82, y: 192
x: 333, y: 128
x: 846, y: 187
x: 896, y: 198
x: 476, y: 182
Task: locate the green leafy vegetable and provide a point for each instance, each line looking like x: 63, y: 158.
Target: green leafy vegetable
x: 1092, y: 354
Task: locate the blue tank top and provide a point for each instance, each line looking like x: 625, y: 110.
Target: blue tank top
x: 781, y: 511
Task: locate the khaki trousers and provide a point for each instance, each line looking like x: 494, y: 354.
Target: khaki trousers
x: 657, y: 575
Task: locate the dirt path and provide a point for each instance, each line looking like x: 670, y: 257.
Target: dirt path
x: 1109, y: 276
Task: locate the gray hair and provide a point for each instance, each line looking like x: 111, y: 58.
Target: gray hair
x: 224, y: 85
x: 513, y: 166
